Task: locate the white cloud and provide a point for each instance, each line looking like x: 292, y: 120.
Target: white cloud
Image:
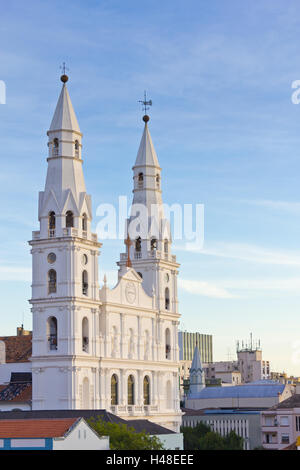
x: 205, y: 289
x: 221, y: 289
x: 246, y: 252
x: 15, y: 273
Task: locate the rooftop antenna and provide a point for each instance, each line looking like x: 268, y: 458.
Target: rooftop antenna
x: 145, y: 103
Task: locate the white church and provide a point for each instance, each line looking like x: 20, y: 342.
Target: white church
x: 100, y: 348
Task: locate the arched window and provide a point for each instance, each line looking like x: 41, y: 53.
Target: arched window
x: 76, y: 145
x: 85, y: 394
x: 169, y: 395
x: 55, y: 147
x: 51, y: 281
x: 138, y: 245
x: 69, y: 219
x: 84, y: 222
x: 168, y: 343
x: 146, y: 390
x: 157, y: 179
x: 51, y: 224
x: 153, y: 244
x: 85, y: 335
x: 85, y: 284
x: 114, y: 389
x: 130, y: 396
x: 166, y: 246
x: 140, y: 180
x: 167, y: 298
x: 52, y: 333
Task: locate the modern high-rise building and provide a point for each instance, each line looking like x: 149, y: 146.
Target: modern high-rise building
x: 187, y: 342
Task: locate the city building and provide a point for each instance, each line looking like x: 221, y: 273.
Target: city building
x: 250, y: 362
x: 280, y: 425
x: 171, y: 440
x: 50, y: 434
x: 227, y: 371
x: 245, y: 423
x: 99, y: 348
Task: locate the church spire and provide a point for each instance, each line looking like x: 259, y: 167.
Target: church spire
x: 197, y: 377
x: 64, y: 116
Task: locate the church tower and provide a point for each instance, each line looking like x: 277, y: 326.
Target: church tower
x: 65, y: 291
x: 149, y: 229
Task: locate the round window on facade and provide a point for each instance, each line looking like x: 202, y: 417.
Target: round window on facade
x: 51, y: 258
x: 84, y: 259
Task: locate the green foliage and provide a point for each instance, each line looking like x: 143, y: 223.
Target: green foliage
x: 122, y: 437
x: 202, y: 438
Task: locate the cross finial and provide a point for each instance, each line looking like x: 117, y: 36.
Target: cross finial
x: 128, y: 243
x: 64, y: 78
x: 146, y: 105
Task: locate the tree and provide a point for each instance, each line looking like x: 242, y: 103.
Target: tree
x: 233, y: 441
x: 122, y: 437
x: 202, y: 438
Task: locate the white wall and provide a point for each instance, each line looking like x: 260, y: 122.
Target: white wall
x: 8, y: 368
x: 82, y: 437
x: 171, y: 441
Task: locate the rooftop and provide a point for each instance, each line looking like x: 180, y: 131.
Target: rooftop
x: 255, y: 390
x: 35, y: 428
x: 17, y: 348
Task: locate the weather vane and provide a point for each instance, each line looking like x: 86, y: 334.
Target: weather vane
x: 146, y: 104
x: 63, y: 68
x: 64, y: 78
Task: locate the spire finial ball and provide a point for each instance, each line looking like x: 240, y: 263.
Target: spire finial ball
x: 64, y: 78
x: 146, y: 118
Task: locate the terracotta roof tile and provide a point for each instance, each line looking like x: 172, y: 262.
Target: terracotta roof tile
x: 17, y: 348
x: 35, y: 428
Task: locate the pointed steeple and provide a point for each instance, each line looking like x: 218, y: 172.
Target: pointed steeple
x: 65, y: 189
x: 146, y: 154
x: 197, y: 378
x: 64, y: 116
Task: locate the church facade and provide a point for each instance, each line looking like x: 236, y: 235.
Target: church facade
x: 94, y: 347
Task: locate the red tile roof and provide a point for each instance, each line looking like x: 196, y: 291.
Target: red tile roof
x: 35, y: 428
x: 17, y: 348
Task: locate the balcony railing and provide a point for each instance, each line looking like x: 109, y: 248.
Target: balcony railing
x: 51, y: 232
x: 137, y: 255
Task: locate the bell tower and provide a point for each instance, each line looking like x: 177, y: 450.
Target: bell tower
x: 65, y: 292
x: 149, y: 229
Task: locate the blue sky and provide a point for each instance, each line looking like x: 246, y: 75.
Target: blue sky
x: 224, y: 127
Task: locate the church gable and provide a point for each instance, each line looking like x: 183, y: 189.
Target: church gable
x: 128, y: 291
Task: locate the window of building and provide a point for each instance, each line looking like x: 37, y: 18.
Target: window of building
x: 168, y: 343
x: 55, y: 147
x: 51, y: 281
x: 157, y: 180
x: 138, y: 245
x: 84, y: 222
x: 52, y: 333
x: 140, y: 180
x: 153, y: 244
x: 69, y: 219
x: 114, y: 390
x: 146, y: 390
x: 76, y: 145
x: 51, y: 224
x: 284, y: 420
x: 85, y: 335
x: 297, y: 423
x: 285, y: 439
x: 167, y: 299
x: 130, y: 396
x: 85, y: 284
